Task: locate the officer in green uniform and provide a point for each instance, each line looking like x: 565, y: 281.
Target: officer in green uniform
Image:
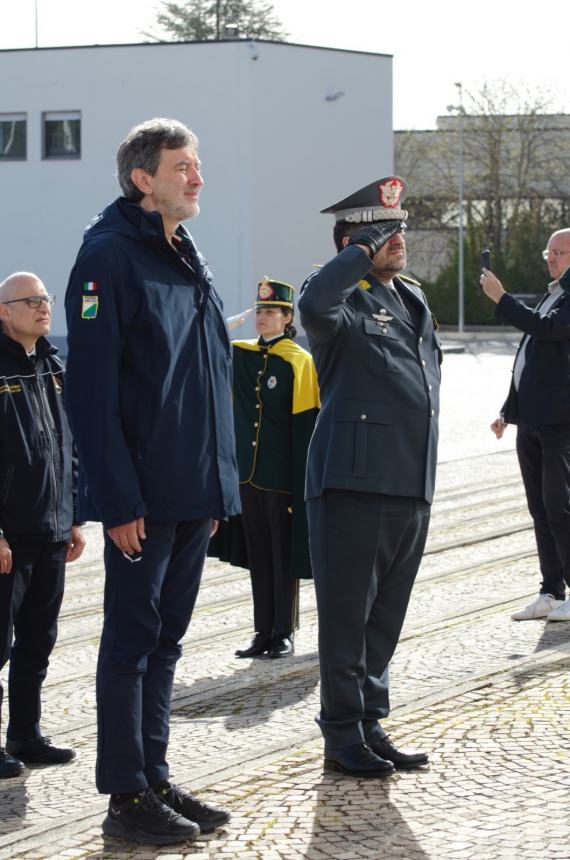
x: 371, y: 467
x: 275, y: 405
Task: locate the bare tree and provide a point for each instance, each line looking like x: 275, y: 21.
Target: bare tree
x: 203, y: 20
x: 516, y: 180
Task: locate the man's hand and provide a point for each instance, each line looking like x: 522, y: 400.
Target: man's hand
x: 492, y: 286
x: 214, y: 528
x: 498, y: 427
x: 127, y: 537
x: 5, y: 556
x: 374, y: 236
x: 76, y: 544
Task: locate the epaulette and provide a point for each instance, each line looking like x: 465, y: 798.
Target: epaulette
x: 307, y: 279
x: 409, y: 280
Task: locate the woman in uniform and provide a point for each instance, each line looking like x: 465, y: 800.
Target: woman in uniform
x: 276, y: 402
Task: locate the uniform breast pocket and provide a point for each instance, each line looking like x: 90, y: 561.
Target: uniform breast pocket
x: 363, y: 434
x: 383, y: 340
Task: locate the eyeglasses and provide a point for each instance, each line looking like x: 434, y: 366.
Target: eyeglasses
x: 33, y: 302
x: 548, y: 253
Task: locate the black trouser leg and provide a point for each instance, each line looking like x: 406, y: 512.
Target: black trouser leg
x: 544, y: 459
x: 267, y: 527
x: 30, y: 597
x: 366, y: 549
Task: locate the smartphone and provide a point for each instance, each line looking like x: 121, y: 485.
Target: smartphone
x: 485, y: 262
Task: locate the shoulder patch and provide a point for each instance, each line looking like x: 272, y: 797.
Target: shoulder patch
x: 409, y: 280
x: 89, y: 307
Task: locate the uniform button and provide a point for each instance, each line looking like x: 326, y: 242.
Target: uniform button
x: 433, y: 411
x: 257, y: 387
x: 363, y: 417
x: 254, y: 443
x: 256, y: 424
x: 430, y: 387
x: 384, y: 331
x: 257, y: 405
x: 259, y: 372
x: 423, y: 365
x: 421, y: 340
x: 289, y: 510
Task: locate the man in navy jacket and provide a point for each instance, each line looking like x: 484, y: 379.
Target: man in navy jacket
x: 539, y: 404
x: 39, y: 533
x: 149, y: 394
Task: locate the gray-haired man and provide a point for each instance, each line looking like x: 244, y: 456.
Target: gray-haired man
x: 149, y: 396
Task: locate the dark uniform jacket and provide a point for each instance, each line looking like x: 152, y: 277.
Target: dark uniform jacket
x: 148, y: 375
x: 379, y: 377
x: 544, y: 388
x: 276, y: 401
x: 36, y: 453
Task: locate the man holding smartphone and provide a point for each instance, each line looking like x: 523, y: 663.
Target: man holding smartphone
x: 538, y: 402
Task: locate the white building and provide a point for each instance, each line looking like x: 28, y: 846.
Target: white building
x: 284, y: 130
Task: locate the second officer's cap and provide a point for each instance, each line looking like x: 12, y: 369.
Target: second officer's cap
x: 379, y: 201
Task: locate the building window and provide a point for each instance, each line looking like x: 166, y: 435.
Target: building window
x: 61, y: 134
x: 12, y: 135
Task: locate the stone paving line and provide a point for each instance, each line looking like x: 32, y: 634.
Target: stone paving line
x: 488, y: 697
x: 497, y: 787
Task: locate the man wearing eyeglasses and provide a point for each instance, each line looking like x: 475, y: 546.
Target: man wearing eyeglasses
x: 38, y: 531
x: 539, y: 404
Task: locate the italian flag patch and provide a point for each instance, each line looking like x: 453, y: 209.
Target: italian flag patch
x: 90, y: 286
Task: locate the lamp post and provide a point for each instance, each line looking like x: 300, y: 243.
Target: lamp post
x: 461, y: 195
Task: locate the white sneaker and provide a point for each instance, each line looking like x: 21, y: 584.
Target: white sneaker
x: 542, y: 607
x: 561, y: 613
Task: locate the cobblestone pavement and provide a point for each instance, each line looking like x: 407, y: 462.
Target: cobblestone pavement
x: 488, y: 697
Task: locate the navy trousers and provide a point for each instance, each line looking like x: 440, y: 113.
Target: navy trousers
x: 544, y: 459
x: 30, y: 600
x: 366, y: 549
x: 149, y: 601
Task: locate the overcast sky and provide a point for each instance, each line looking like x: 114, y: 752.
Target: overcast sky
x: 434, y: 44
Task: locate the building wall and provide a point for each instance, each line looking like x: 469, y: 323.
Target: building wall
x: 275, y: 149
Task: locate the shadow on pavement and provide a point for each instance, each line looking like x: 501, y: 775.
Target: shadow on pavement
x: 279, y: 684
x: 359, y: 814
x: 13, y: 803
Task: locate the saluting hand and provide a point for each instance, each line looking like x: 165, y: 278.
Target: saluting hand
x: 5, y: 556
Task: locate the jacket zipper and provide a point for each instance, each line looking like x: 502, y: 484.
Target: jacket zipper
x: 47, y: 425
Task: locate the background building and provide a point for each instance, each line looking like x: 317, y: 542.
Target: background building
x: 284, y: 130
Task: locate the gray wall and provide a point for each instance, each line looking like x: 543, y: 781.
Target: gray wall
x: 275, y: 150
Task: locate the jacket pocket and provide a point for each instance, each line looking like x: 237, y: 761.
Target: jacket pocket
x: 362, y: 436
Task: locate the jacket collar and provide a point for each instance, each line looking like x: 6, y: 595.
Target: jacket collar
x: 11, y: 346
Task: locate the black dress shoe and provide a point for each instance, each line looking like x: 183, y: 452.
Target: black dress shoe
x: 39, y: 751
x: 142, y: 817
x: 260, y: 644
x: 399, y: 758
x: 282, y: 646
x: 10, y: 766
x: 357, y: 760
x: 184, y: 803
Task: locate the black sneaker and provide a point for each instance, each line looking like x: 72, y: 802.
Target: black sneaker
x: 183, y: 802
x: 39, y: 751
x: 10, y: 766
x: 145, y: 818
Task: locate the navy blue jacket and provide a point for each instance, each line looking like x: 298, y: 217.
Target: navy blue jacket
x: 36, y: 452
x: 148, y: 375
x: 379, y: 377
x: 543, y: 397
